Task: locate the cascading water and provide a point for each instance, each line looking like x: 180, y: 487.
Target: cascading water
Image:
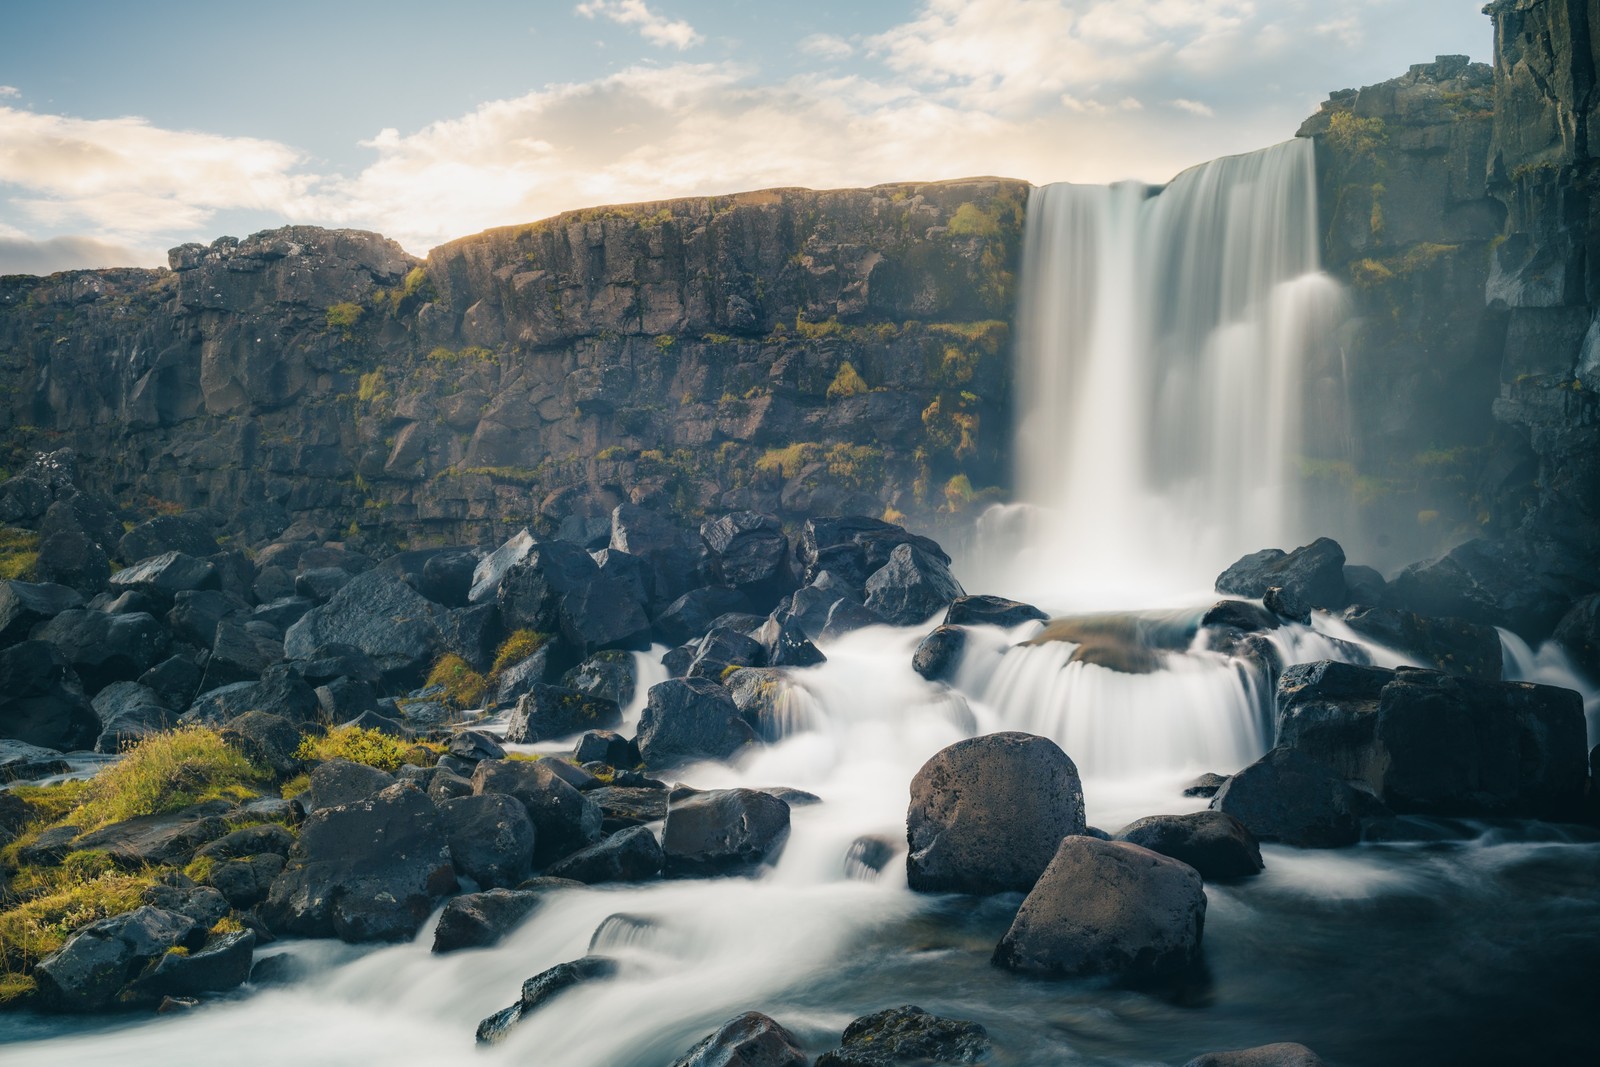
x: 1175, y: 364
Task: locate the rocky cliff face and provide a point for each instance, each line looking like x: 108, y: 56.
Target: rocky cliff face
x: 788, y: 350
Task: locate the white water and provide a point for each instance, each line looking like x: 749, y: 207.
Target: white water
x: 1175, y: 362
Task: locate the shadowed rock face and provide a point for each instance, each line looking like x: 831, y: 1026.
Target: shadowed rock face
x: 317, y: 371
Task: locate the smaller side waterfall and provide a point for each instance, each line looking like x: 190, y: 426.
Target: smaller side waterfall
x: 1176, y: 366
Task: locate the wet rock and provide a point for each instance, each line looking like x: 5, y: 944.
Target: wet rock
x: 564, y: 820
x: 1451, y: 645
x: 907, y: 1035
x: 631, y: 855
x: 383, y: 618
x: 166, y: 575
x: 444, y: 785
x: 558, y: 588
x: 475, y: 746
x: 541, y: 989
x: 1206, y: 785
x: 751, y: 1040
x: 690, y: 719
x: 343, y: 699
x: 694, y: 613
x: 240, y: 653
x: 245, y: 882
x: 721, y: 652
x: 368, y: 871
x: 869, y: 856
x: 1486, y: 582
x: 676, y: 558
x: 1107, y: 908
x: 73, y: 559
x: 991, y: 611
x: 478, y: 920
x: 748, y: 551
x: 158, y: 840
x: 221, y: 964
x: 846, y: 617
x: 1287, y: 604
x: 1212, y: 842
x: 760, y: 695
x: 625, y: 806
x: 250, y: 841
x: 939, y: 654
x: 986, y: 814
x: 723, y: 831
x: 196, y: 613
x: 92, y: 970
x: 106, y: 648
x: 175, y: 680
x: 911, y: 586
x: 40, y: 701
x: 24, y: 605
x: 853, y: 547
x: 277, y: 694
x: 167, y: 533
x: 784, y: 643
x: 1282, y: 1054
x: 319, y: 584
x: 491, y: 839
x: 1312, y: 575
x: 1431, y: 743
x: 547, y: 713
x: 22, y: 762
x: 128, y: 713
x: 609, y: 675
x: 338, y: 782
x: 488, y: 572
x: 1285, y: 796
x: 1579, y: 633
x: 606, y: 746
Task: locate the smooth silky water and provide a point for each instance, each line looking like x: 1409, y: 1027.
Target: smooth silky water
x: 1172, y: 357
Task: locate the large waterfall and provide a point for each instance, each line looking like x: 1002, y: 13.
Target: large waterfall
x: 1176, y: 367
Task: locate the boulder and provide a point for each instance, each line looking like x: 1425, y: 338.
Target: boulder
x: 73, y: 559
x: 280, y: 694
x: 911, y: 586
x: 846, y: 616
x: 92, y: 971
x: 489, y: 570
x: 220, y: 964
x: 240, y: 653
x: 606, y: 746
x: 761, y: 695
x: 1431, y: 743
x: 168, y: 839
x: 541, y: 989
x: 625, y: 806
x: 1214, y: 843
x: 40, y: 700
x: 991, y: 611
x: 939, y: 654
x: 166, y: 575
x: 1487, y: 582
x: 382, y: 617
x: 491, y: 839
x: 1240, y: 615
x: 1281, y: 1054
x: 344, y: 700
x: 609, y: 675
x: 689, y: 719
x: 1108, y: 908
x: 447, y: 576
x: 22, y: 762
x: 693, y: 614
x: 167, y: 533
x: 338, y: 782
x: 245, y: 882
x: 474, y: 746
x: 785, y: 644
x: 128, y: 713
x: 175, y: 680
x: 1451, y: 645
x: 1312, y: 574
x: 988, y: 813
x: 721, y: 652
x: 751, y: 1040
x: 195, y: 614
x: 319, y: 584
x: 558, y: 587
x: 676, y: 558
x: 853, y: 547
x: 1286, y: 796
x: 24, y: 605
x: 267, y: 838
x: 748, y: 551
x: 478, y: 920
x: 564, y: 820
x: 631, y: 855
x: 908, y: 1036
x: 106, y: 648
x: 724, y: 831
x: 1206, y: 785
x: 547, y: 713
x: 369, y: 871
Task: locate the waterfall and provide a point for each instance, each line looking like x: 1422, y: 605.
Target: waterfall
x: 1175, y: 370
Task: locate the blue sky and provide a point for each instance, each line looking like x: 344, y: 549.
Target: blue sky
x: 128, y: 128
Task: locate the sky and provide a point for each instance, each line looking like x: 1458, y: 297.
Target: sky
x: 127, y: 129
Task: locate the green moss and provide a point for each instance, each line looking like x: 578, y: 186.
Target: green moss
x: 664, y: 341
x: 972, y: 221
x: 855, y: 466
x: 789, y: 460
x: 958, y: 493
x: 1356, y: 136
x: 611, y: 452
x: 343, y: 316
x: 58, y: 903
x: 373, y: 748
x: 516, y: 648
x: 19, y: 553
x: 848, y: 382
x: 166, y: 772
x: 463, y: 687
x: 817, y: 331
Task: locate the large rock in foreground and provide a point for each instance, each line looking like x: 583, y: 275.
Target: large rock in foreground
x: 1431, y: 743
x: 1312, y: 575
x: 1214, y: 843
x: 400, y: 629
x: 988, y: 813
x: 1281, y: 1054
x: 725, y: 831
x: 1286, y: 796
x: 751, y: 1040
x: 690, y: 719
x: 1108, y: 908
x: 369, y: 871
x: 92, y: 970
x: 907, y: 1035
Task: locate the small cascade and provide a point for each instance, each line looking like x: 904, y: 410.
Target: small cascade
x: 1550, y: 665
x: 1175, y: 369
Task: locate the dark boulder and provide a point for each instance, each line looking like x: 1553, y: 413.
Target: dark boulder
x: 24, y: 605
x: 166, y: 575
x: 1286, y: 796
x: 784, y: 643
x: 1206, y: 785
x: 1488, y: 582
x: 279, y: 694
x: 1312, y: 575
x: 400, y: 630
x: 478, y: 920
x: 905, y: 1037
x: 853, y: 546
x: 1241, y: 615
x: 991, y: 611
x: 690, y: 719
x: 564, y: 820
x: 631, y: 573
x: 489, y: 570
x: 547, y: 713
x: 939, y: 654
x: 911, y: 586
x: 269, y: 740
x: 337, y: 782
x: 631, y: 855
x: 283, y: 612
x: 721, y: 652
x: 1281, y: 1054
x: 541, y: 989
x: 22, y: 762
x: 196, y: 613
x: 106, y: 648
x: 724, y: 831
x: 73, y: 559
x: 319, y: 584
x: 694, y: 613
x: 676, y: 558
x: 175, y: 680
x: 221, y: 964
x: 609, y: 675
x: 748, y: 551
x: 369, y: 871
x: 92, y: 971
x: 474, y: 746
x: 846, y: 616
x: 167, y: 839
x: 1451, y: 645
x: 608, y: 747
x: 625, y: 806
x: 1108, y: 908
x: 491, y: 839
x: 344, y: 700
x: 986, y: 814
x: 1214, y: 843
x: 167, y: 533
x: 128, y: 713
x: 40, y: 700
x: 245, y: 882
x: 267, y: 838
x: 1434, y: 744
x: 751, y: 1040
x: 543, y: 667
x: 240, y: 653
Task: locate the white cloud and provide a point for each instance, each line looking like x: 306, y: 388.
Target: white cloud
x: 20, y: 255
x: 126, y: 177
x: 657, y: 29
x: 9, y: 91
x: 1098, y: 107
x: 826, y: 46
x: 1193, y: 107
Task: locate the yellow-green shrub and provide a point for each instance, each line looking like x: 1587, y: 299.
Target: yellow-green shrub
x: 848, y: 382
x: 371, y: 747
x: 463, y: 686
x: 166, y: 772
x: 516, y: 648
